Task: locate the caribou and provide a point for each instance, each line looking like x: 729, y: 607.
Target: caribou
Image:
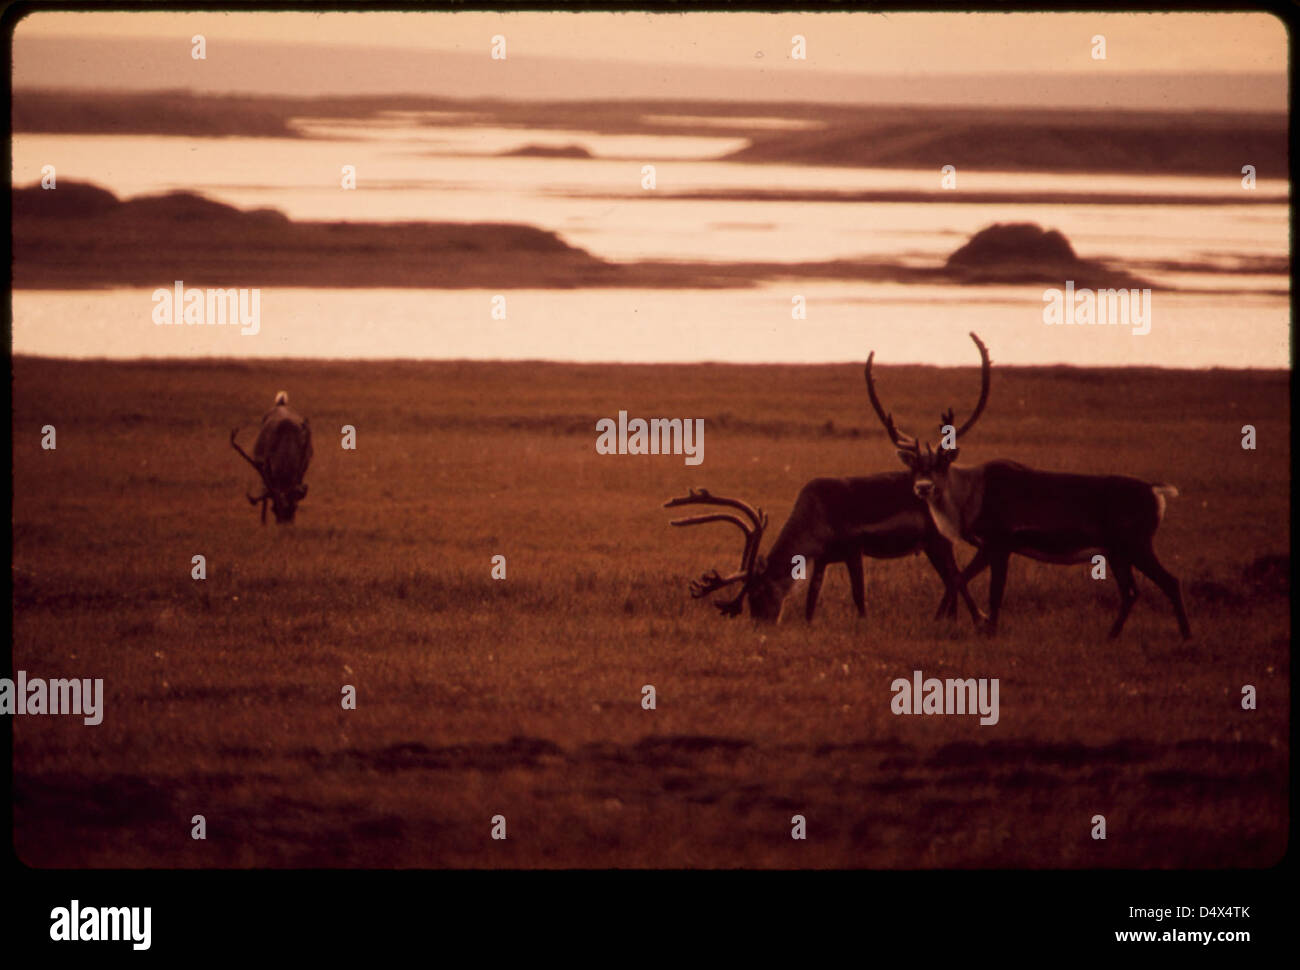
x: 834, y: 520
x: 1003, y: 507
x: 280, y: 456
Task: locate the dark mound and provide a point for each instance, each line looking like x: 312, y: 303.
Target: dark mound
x: 82, y: 200
x: 1014, y: 242
x: 548, y: 151
x: 1024, y: 252
x: 70, y: 200
x: 178, y: 207
x: 998, y: 140
x: 80, y: 235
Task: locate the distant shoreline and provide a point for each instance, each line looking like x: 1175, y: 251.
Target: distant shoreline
x: 953, y: 197
x: 83, y: 237
x: 971, y: 139
x: 354, y: 365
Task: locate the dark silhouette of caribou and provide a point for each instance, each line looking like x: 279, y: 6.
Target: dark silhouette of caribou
x: 281, y: 456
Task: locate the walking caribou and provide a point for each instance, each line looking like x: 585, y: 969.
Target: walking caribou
x: 280, y: 456
x: 1002, y: 507
x: 833, y: 520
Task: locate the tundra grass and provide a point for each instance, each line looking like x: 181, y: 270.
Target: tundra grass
x: 522, y: 697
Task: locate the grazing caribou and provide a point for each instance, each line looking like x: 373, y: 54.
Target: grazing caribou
x: 833, y: 520
x: 1003, y: 507
x: 281, y: 456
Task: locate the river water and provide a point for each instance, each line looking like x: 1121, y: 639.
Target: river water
x: 409, y: 171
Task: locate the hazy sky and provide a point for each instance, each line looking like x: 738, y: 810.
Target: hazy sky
x: 716, y: 55
x: 955, y: 43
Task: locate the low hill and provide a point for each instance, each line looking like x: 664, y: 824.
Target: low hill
x: 1024, y: 252
x: 548, y: 151
x: 79, y: 235
x: 1037, y: 141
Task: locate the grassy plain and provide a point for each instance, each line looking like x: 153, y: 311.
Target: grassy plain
x: 521, y: 697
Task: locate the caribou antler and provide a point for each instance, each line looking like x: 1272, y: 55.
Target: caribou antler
x: 753, y: 530
x: 266, y: 494
x: 234, y: 444
x: 907, y: 442
x: 712, y: 581
x: 261, y: 472
x: 715, y: 517
x: 984, y: 390
x: 900, y: 440
x: 702, y: 496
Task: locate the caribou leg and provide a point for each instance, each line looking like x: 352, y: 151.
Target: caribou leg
x: 1128, y: 592
x: 814, y: 588
x: 976, y: 566
x: 857, y: 581
x: 954, y: 581
x: 998, y: 559
x: 1146, y: 561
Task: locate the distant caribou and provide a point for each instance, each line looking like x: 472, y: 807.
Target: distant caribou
x: 280, y: 456
x: 833, y: 520
x: 1003, y: 507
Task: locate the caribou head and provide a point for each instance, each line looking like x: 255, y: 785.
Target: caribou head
x: 765, y: 598
x: 280, y: 457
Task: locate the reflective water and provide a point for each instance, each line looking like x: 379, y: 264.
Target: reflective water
x: 409, y: 171
x: 916, y: 324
